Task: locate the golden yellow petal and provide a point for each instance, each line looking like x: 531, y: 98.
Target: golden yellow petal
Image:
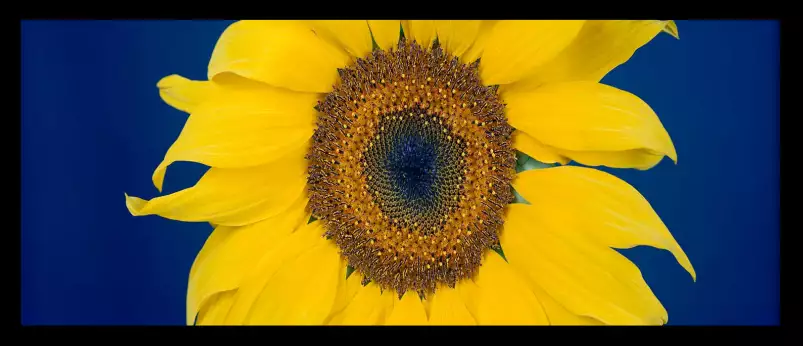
x: 468, y: 291
x: 614, y: 213
x: 514, y: 48
x: 214, y: 310
x: 671, y: 28
x: 601, y: 46
x: 557, y: 313
x: 185, y: 94
x: 537, y: 150
x: 588, y: 279
x: 353, y: 36
x: 243, y: 126
x: 230, y: 252
x: 503, y: 298
x: 635, y: 158
x: 422, y: 31
x: 370, y: 306
x: 448, y: 308
x: 283, y: 53
x: 408, y: 311
x: 346, y: 290
x: 232, y: 197
x: 588, y: 116
x: 302, y: 292
x: 386, y: 33
x: 456, y: 36
x: 307, y: 240
x: 475, y: 51
x: 408, y: 32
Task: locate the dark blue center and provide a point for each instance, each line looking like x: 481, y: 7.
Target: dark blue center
x: 413, y: 168
x: 412, y: 164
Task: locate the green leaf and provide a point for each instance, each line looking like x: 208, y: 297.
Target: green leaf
x: 349, y: 270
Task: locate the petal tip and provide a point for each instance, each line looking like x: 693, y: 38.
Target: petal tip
x: 671, y: 28
x: 683, y: 260
x: 182, y: 93
x: 134, y: 204
x: 170, y: 81
x: 665, y: 145
x: 159, y: 176
x: 692, y: 272
x: 672, y: 154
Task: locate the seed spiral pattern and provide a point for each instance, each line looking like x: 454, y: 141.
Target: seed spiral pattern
x: 410, y: 167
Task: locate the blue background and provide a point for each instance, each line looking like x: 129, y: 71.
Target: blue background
x: 93, y: 127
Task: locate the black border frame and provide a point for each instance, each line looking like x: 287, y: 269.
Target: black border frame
x: 790, y: 237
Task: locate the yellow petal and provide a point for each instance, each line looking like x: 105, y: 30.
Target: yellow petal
x: 408, y: 32
x: 614, y: 212
x: 370, y: 306
x: 456, y: 36
x: 671, y: 28
x: 588, y: 116
x: 286, y: 251
x: 215, y: 309
x: 503, y: 298
x: 448, y: 308
x: 517, y: 47
x: 408, y: 311
x: 468, y: 291
x: 232, y: 197
x: 635, y: 158
x: 587, y: 278
x: 230, y: 252
x: 346, y: 291
x: 422, y: 31
x: 557, y: 314
x: 243, y: 127
x: 475, y: 51
x: 351, y: 35
x: 537, y: 150
x: 184, y: 94
x: 386, y: 33
x: 601, y: 46
x: 302, y: 292
x: 283, y: 53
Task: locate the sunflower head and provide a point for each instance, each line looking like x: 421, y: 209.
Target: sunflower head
x: 360, y: 176
x: 410, y: 167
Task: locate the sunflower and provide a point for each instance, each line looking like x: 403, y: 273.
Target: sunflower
x: 382, y: 172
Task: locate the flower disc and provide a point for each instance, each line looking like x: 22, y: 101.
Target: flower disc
x: 410, y: 167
